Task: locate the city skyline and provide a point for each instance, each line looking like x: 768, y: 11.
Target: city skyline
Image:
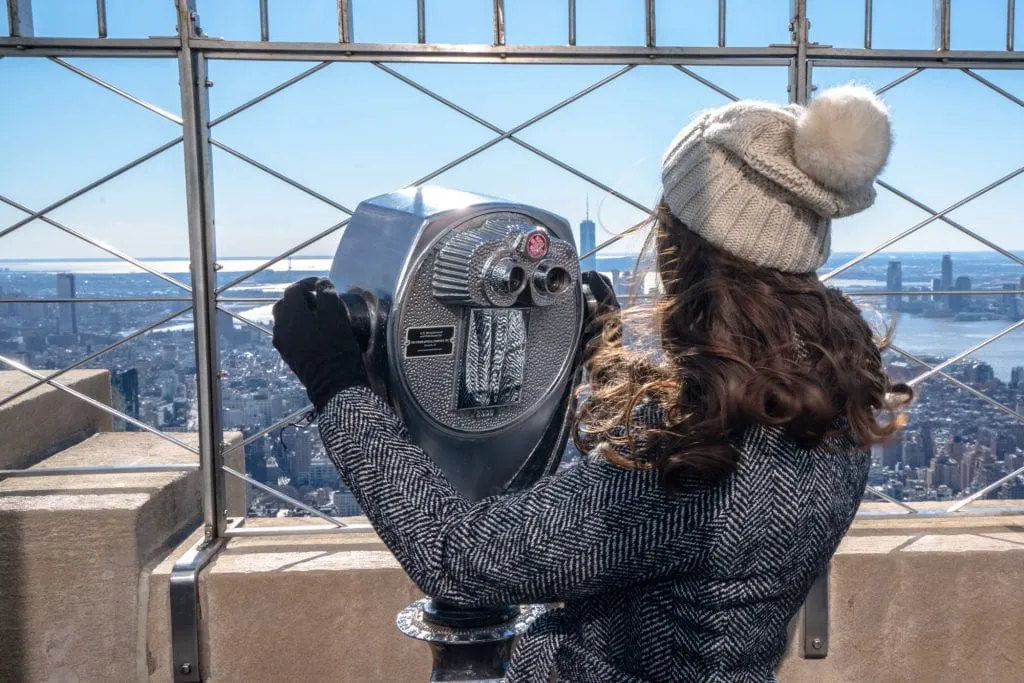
x: 153, y: 378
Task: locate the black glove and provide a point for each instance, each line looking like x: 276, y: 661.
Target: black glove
x: 313, y: 334
x: 603, y: 309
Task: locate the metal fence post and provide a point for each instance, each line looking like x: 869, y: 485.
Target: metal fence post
x: 19, y: 18
x: 195, y: 113
x: 799, y: 67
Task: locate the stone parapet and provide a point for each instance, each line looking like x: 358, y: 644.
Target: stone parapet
x: 46, y: 420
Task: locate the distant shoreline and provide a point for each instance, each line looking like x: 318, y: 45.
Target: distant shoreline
x: 603, y: 255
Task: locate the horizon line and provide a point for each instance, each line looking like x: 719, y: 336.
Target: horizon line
x: 331, y: 256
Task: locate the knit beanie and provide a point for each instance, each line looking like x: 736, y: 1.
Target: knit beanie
x: 764, y: 182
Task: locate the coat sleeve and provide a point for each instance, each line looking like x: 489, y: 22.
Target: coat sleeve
x: 591, y: 528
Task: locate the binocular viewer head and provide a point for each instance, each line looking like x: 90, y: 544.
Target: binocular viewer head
x: 469, y: 309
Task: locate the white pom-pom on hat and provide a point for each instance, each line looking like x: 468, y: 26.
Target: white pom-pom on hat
x: 843, y: 138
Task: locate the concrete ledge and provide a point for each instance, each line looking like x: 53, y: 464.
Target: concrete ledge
x: 45, y: 420
x: 73, y: 549
x: 289, y: 608
x: 923, y: 599
x: 913, y: 599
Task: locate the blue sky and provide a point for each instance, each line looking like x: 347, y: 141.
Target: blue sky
x: 352, y: 131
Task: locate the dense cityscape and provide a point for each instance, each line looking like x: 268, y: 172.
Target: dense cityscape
x: 955, y: 443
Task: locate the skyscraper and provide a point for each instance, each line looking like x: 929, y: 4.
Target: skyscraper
x: 958, y: 302
x: 947, y: 280
x: 894, y: 283
x: 125, y: 386
x: 67, y: 321
x: 1011, y: 304
x: 588, y: 240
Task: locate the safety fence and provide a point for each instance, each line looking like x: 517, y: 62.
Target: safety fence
x: 209, y: 298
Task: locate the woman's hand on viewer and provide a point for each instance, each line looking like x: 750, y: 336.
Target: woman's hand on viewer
x: 314, y: 336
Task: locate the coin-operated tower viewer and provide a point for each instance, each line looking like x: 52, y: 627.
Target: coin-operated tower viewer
x: 470, y: 310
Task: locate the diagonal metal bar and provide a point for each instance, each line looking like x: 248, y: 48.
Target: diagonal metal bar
x: 525, y: 145
x: 283, y: 422
x: 280, y: 257
x: 93, y: 356
x: 243, y: 320
x: 963, y: 354
x: 966, y: 387
x: 949, y: 221
x: 902, y: 79
x: 961, y: 504
x: 269, y: 93
x: 989, y: 84
x: 154, y: 152
x: 503, y: 135
x: 99, y: 245
x: 884, y: 496
x: 280, y: 176
x: 174, y: 118
x: 230, y: 150
x: 512, y: 131
x: 91, y: 186
x: 11, y: 363
x: 282, y: 496
x: 614, y: 238
x: 703, y: 81
x: 893, y: 240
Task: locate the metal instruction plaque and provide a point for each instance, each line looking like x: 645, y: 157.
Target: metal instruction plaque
x: 423, y: 342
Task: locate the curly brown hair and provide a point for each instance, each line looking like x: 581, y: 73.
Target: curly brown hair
x: 740, y: 345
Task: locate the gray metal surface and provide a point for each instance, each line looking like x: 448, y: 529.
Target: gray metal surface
x: 816, y: 619
x: 388, y: 251
x: 184, y: 609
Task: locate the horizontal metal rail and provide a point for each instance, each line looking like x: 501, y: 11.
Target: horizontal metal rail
x: 773, y: 55
x: 97, y: 300
x: 937, y: 292
x: 297, y: 530
x: 940, y: 512
x: 101, y: 469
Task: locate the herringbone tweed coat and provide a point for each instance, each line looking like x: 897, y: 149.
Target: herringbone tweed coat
x: 696, y: 587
